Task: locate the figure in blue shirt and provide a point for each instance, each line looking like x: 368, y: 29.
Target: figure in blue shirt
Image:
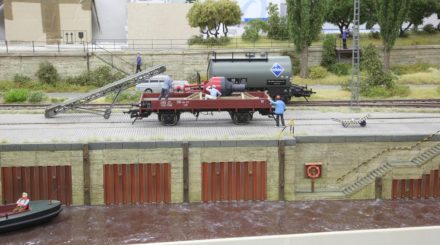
x: 138, y: 62
x: 280, y: 107
x: 213, y: 93
x: 167, y: 85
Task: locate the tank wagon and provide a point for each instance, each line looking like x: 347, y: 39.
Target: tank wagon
x: 262, y: 73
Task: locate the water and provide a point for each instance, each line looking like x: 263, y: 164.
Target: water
x: 159, y: 223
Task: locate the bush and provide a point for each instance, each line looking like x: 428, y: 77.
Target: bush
x: 125, y: 96
x: 250, y: 34
x: 98, y: 77
x: 374, y: 35
x: 47, y: 73
x: 36, y: 97
x: 340, y: 69
x: 212, y: 41
x: 430, y: 29
x: 16, y: 95
x: 317, y: 72
x: 21, y: 79
x: 329, y: 51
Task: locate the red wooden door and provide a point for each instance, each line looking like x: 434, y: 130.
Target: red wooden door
x: 40, y: 182
x: 234, y: 181
x: 137, y: 183
x: 425, y: 187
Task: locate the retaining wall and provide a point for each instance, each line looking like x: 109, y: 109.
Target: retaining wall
x: 182, y: 64
x: 285, y: 160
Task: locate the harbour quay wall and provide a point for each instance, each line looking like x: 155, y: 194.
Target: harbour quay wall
x: 181, y: 64
x: 352, y: 167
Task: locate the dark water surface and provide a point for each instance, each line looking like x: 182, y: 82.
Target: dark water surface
x: 155, y: 223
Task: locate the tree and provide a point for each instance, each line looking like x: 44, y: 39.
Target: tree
x: 340, y: 13
x: 277, y: 25
x: 252, y: 30
x: 305, y: 20
x: 230, y: 14
x: 418, y: 9
x: 390, y: 16
x: 211, y: 15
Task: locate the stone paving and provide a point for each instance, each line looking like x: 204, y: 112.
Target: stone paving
x: 83, y: 127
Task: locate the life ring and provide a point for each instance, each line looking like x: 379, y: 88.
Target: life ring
x: 313, y: 171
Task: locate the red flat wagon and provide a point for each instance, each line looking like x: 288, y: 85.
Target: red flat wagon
x: 241, y: 106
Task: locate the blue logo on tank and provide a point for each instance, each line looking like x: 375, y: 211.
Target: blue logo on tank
x: 277, y: 69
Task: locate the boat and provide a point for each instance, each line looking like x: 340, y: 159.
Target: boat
x: 39, y: 211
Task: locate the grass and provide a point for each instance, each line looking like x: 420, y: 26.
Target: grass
x: 38, y: 86
x: 432, y: 76
x: 419, y: 38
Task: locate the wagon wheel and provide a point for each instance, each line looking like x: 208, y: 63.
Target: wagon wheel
x: 169, y: 119
x: 240, y: 118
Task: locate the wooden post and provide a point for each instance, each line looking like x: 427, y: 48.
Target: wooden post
x: 281, y: 161
x: 185, y: 152
x: 86, y: 174
x: 312, y: 185
x: 378, y: 184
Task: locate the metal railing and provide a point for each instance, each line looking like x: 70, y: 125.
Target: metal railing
x: 134, y: 45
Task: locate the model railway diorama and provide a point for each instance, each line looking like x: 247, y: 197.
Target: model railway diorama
x: 246, y: 83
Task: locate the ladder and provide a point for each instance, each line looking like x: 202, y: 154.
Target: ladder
x: 355, y: 71
x: 117, y: 86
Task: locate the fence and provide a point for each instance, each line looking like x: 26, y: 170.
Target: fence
x: 134, y: 45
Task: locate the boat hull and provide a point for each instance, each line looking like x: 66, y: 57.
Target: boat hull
x: 40, y: 211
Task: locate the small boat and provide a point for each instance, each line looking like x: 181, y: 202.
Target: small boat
x: 39, y: 211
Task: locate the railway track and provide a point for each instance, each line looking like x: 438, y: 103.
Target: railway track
x: 418, y: 103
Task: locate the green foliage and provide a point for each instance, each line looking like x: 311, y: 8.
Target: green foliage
x: 430, y: 29
x: 21, y: 79
x: 36, y: 97
x: 329, y: 51
x: 438, y: 90
x: 125, y: 96
x: 6, y: 85
x: 278, y: 29
x: 47, y: 73
x: 408, y: 69
x: 211, y: 41
x: 210, y: 15
x: 374, y: 35
x: 419, y: 9
x: 317, y: 72
x: 305, y: 18
x: 57, y: 100
x: 340, y: 69
x: 390, y: 16
x: 16, y: 95
x: 294, y: 60
x: 340, y: 13
x: 252, y: 30
x: 378, y: 83
x: 97, y: 78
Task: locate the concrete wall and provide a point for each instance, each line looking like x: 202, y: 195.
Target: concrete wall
x: 159, y: 21
x: 182, y: 64
x: 47, y: 20
x: 337, y: 158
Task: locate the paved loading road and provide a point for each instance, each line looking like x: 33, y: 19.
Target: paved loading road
x: 81, y: 127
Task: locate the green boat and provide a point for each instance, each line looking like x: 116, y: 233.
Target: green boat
x: 39, y: 212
